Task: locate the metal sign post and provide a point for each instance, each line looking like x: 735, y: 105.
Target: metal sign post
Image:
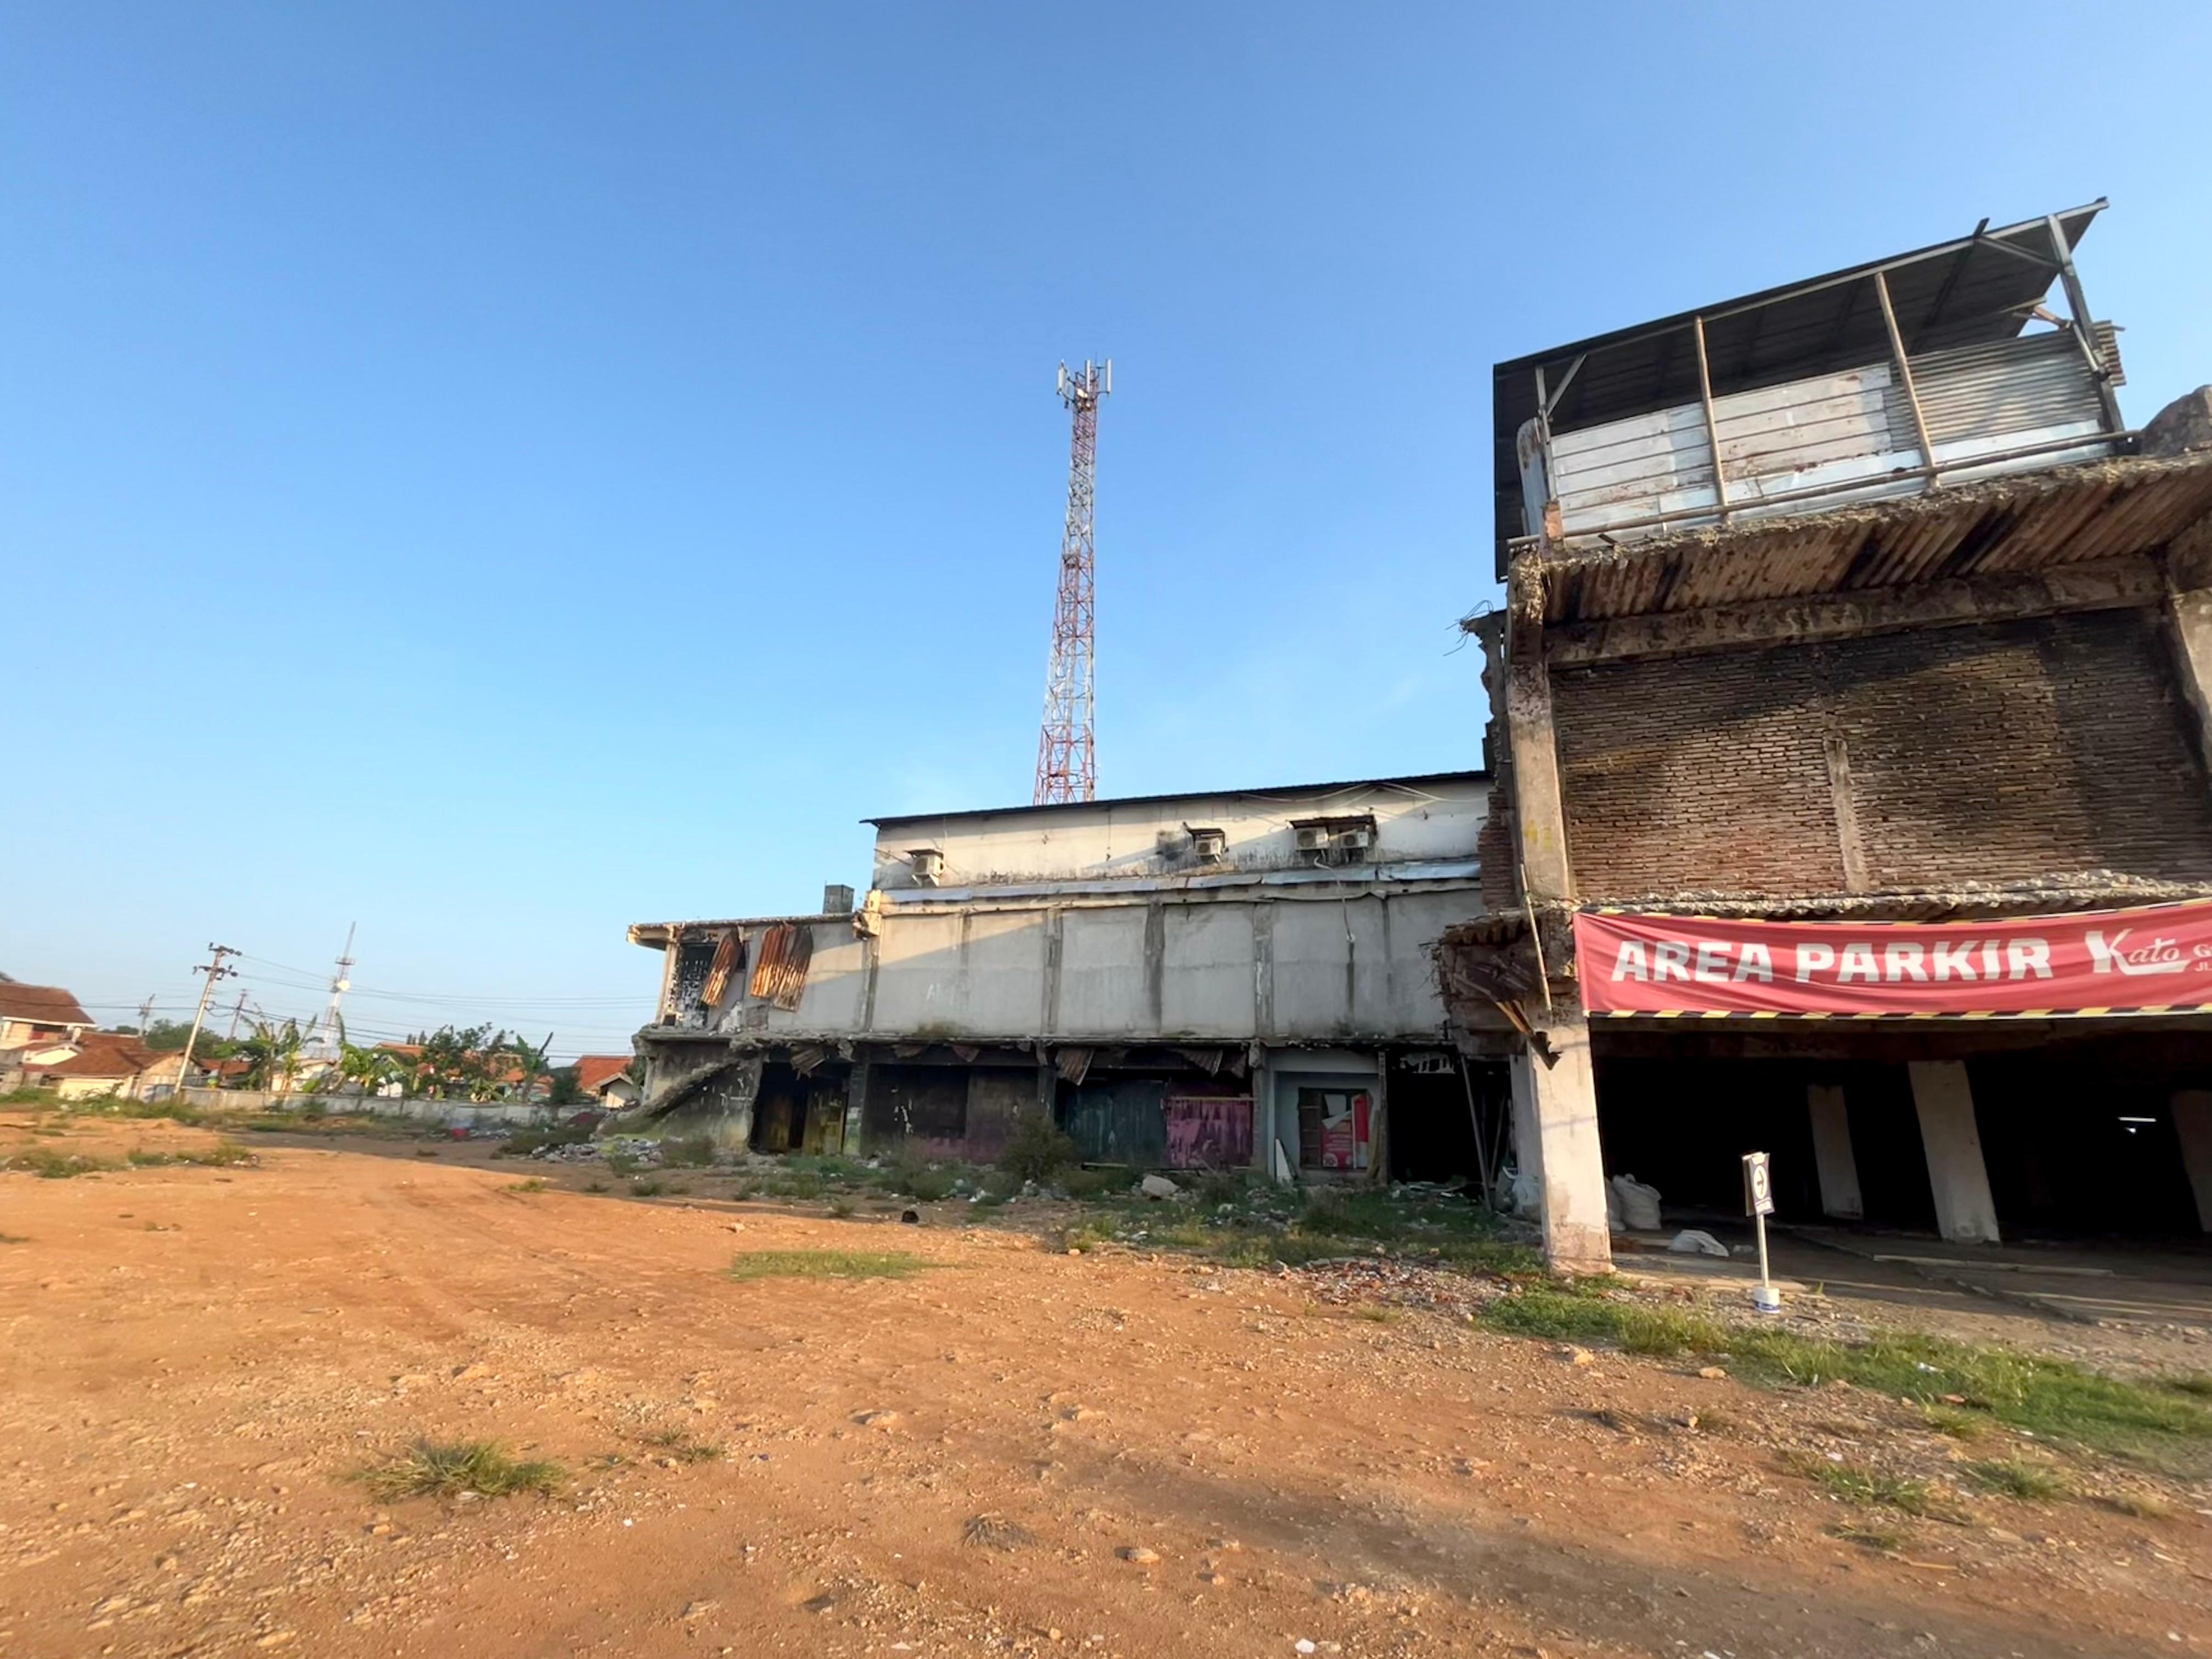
x: 1758, y: 1201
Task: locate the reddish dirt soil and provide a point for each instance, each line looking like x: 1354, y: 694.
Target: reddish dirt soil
x: 1174, y: 1459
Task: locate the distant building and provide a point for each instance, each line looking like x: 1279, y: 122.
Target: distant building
x: 606, y: 1080
x: 1219, y: 978
x: 91, y: 1064
x: 37, y: 1013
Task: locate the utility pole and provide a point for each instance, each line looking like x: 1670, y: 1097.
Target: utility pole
x: 1067, y: 765
x: 145, y: 1017
x: 236, y: 1011
x: 215, y: 970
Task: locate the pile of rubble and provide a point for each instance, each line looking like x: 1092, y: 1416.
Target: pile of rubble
x: 1353, y: 1281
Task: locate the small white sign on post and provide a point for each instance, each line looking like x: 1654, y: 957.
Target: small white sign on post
x: 1759, y: 1201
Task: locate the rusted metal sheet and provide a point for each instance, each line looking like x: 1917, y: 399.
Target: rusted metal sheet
x: 780, y: 971
x: 729, y: 955
x: 2077, y: 514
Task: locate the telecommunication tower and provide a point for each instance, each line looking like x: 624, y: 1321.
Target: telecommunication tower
x: 1067, y: 763
x: 328, y: 1031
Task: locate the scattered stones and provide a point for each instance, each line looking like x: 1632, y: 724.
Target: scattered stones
x: 1158, y: 1186
x: 1712, y: 1373
x: 1574, y: 1356
x: 1140, y: 1555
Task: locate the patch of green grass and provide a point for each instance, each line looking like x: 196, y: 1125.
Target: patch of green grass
x: 1096, y: 1183
x: 1376, y: 1313
x: 535, y: 1184
x: 448, y: 1468
x: 842, y: 1208
x: 1854, y: 1484
x: 2054, y: 1399
x: 687, y: 1152
x: 678, y: 1444
x: 176, y: 1111
x: 2191, y: 1383
x: 827, y: 1264
x: 625, y: 1163
x: 2013, y: 1477
x: 647, y: 1187
x: 1959, y: 1425
x: 48, y: 1164
x: 595, y: 1186
x: 223, y: 1155
x: 804, y: 1184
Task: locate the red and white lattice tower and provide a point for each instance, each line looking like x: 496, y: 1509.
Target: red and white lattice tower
x: 1067, y: 764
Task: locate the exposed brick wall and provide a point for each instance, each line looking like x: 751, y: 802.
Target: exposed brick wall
x: 1996, y: 752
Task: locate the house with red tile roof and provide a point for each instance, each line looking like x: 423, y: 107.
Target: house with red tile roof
x: 32, y: 1014
x: 606, y: 1078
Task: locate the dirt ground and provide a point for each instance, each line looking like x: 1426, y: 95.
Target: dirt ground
x: 1016, y: 1450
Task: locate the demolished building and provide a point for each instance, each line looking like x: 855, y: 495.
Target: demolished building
x: 1211, y: 980
x: 1851, y: 702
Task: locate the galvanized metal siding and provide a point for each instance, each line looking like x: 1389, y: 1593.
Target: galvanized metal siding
x: 1849, y: 436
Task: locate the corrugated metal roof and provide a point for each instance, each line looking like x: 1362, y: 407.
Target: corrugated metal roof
x: 1417, y: 777
x: 1961, y: 292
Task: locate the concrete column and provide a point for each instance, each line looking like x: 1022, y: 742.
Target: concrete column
x: 1965, y: 1212
x: 1832, y: 1158
x: 1555, y: 1129
x: 856, y: 1106
x: 2193, y: 1125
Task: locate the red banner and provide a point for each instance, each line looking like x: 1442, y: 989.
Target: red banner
x: 2156, y: 959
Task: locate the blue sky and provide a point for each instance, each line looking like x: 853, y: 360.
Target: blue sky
x: 499, y: 472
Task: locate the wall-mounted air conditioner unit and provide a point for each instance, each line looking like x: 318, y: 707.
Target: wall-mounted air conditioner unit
x: 928, y: 864
x: 1354, y: 842
x: 1209, y: 846
x: 1314, y: 838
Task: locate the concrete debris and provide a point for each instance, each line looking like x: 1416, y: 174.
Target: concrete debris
x: 1158, y: 1186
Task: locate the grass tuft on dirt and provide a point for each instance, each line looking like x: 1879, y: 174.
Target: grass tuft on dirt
x: 678, y: 1444
x: 2053, y: 1399
x: 48, y: 1164
x: 828, y: 1264
x: 2012, y: 1477
x: 450, y: 1468
x: 1854, y: 1484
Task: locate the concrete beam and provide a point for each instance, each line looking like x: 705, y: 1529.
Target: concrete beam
x: 2191, y: 1109
x: 1833, y: 1160
x: 1539, y: 812
x: 2114, y: 584
x: 1555, y: 1136
x: 1966, y: 1213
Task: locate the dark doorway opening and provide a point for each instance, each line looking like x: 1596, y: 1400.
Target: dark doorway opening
x: 1430, y: 1118
x: 2081, y: 1146
x: 799, y: 1113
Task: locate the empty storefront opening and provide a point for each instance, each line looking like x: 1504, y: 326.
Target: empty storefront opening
x: 793, y: 1113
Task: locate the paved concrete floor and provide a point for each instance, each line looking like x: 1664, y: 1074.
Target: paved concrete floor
x: 2102, y: 1283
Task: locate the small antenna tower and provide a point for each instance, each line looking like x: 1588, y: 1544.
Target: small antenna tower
x: 323, y: 1037
x: 1067, y: 763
